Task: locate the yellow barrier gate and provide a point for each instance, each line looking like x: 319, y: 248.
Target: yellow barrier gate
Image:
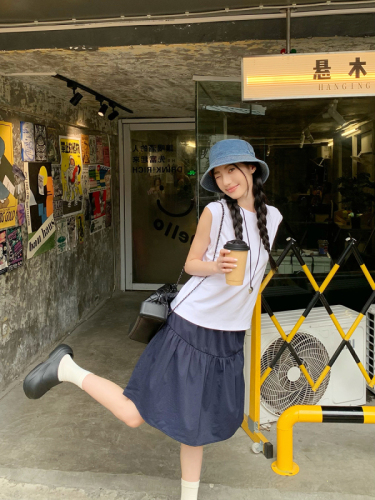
x: 251, y: 421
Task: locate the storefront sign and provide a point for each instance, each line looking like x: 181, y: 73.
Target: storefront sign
x: 296, y: 76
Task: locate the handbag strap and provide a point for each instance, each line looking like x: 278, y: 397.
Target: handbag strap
x: 217, y: 244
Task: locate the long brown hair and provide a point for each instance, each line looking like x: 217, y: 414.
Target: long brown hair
x: 260, y: 201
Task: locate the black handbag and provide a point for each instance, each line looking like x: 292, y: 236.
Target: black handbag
x: 156, y: 308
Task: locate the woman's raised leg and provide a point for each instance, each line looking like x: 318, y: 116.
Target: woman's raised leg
x: 111, y: 396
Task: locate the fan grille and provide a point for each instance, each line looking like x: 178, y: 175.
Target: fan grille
x: 278, y: 392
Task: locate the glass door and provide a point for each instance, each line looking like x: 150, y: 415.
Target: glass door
x: 160, y: 202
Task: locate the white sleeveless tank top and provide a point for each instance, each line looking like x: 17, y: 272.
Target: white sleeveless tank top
x: 214, y: 304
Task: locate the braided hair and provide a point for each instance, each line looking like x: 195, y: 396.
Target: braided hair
x: 260, y: 201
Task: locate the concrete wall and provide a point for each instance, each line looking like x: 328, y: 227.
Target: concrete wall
x: 50, y: 294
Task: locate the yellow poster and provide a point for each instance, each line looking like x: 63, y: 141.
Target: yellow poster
x: 71, y: 174
x: 8, y: 202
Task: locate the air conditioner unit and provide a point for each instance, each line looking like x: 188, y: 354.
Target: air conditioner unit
x: 315, y: 342
x: 370, y: 343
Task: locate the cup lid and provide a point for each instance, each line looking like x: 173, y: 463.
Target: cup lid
x: 236, y: 245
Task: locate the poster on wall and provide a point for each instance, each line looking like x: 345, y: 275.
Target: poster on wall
x: 40, y: 133
x: 97, y: 210
x: 39, y: 208
x: 21, y: 214
x: 85, y: 181
x: 97, y: 176
x: 62, y: 236
x: 3, y: 252
x: 85, y: 149
x: 8, y: 202
x: 27, y: 141
x: 71, y: 173
x: 106, y: 160
x: 92, y: 147
x: 14, y: 245
x: 99, y: 149
x: 53, y: 152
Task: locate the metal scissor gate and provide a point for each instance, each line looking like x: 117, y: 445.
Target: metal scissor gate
x: 251, y: 421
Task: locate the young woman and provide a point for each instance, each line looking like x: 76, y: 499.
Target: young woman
x: 189, y: 381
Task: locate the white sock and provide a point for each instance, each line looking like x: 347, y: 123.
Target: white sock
x: 69, y: 371
x: 189, y: 490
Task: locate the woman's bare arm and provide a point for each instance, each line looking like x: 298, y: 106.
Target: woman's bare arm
x: 194, y: 264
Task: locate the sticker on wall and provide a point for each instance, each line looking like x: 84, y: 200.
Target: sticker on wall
x: 53, y: 151
x: 99, y: 149
x: 19, y: 182
x: 92, y: 146
x: 40, y: 133
x: 39, y: 208
x: 97, y: 210
x: 3, y: 252
x: 106, y: 160
x: 71, y: 223
x: 85, y: 181
x: 27, y: 141
x: 85, y: 149
x: 8, y: 202
x: 56, y: 176
x: 71, y: 173
x: 15, y: 250
x: 80, y: 228
x: 62, y: 236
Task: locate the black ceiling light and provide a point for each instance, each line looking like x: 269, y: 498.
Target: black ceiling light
x: 76, y: 97
x: 113, y: 115
x: 103, y: 109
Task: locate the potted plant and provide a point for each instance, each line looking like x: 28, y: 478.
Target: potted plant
x: 354, y: 196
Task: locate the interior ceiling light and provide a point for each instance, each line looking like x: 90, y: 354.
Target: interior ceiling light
x: 113, y: 115
x: 350, y: 131
x: 103, y: 109
x: 76, y: 97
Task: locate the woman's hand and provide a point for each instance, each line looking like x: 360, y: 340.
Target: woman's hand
x: 225, y: 264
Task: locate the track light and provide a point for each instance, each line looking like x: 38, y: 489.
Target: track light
x: 113, y: 115
x: 103, y: 109
x: 76, y: 97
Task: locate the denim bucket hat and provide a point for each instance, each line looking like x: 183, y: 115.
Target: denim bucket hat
x: 227, y: 152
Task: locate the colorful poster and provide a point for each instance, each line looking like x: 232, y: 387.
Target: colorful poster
x: 80, y: 226
x: 99, y: 149
x: 39, y: 208
x: 106, y: 160
x: 40, y: 143
x: 62, y: 236
x: 21, y: 214
x: 15, y: 251
x: 85, y: 149
x: 97, y: 176
x: 85, y: 181
x: 71, y: 172
x: 92, y: 147
x: 97, y: 210
x: 8, y: 202
x: 71, y: 224
x: 53, y: 152
x: 27, y: 141
x: 3, y: 252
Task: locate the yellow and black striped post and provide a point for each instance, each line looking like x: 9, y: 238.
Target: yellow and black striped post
x: 284, y: 464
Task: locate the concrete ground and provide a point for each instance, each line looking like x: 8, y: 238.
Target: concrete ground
x: 66, y: 446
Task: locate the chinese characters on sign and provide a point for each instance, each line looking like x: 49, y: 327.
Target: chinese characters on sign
x: 293, y: 76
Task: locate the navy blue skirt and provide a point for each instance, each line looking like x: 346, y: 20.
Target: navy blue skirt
x: 189, y: 382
